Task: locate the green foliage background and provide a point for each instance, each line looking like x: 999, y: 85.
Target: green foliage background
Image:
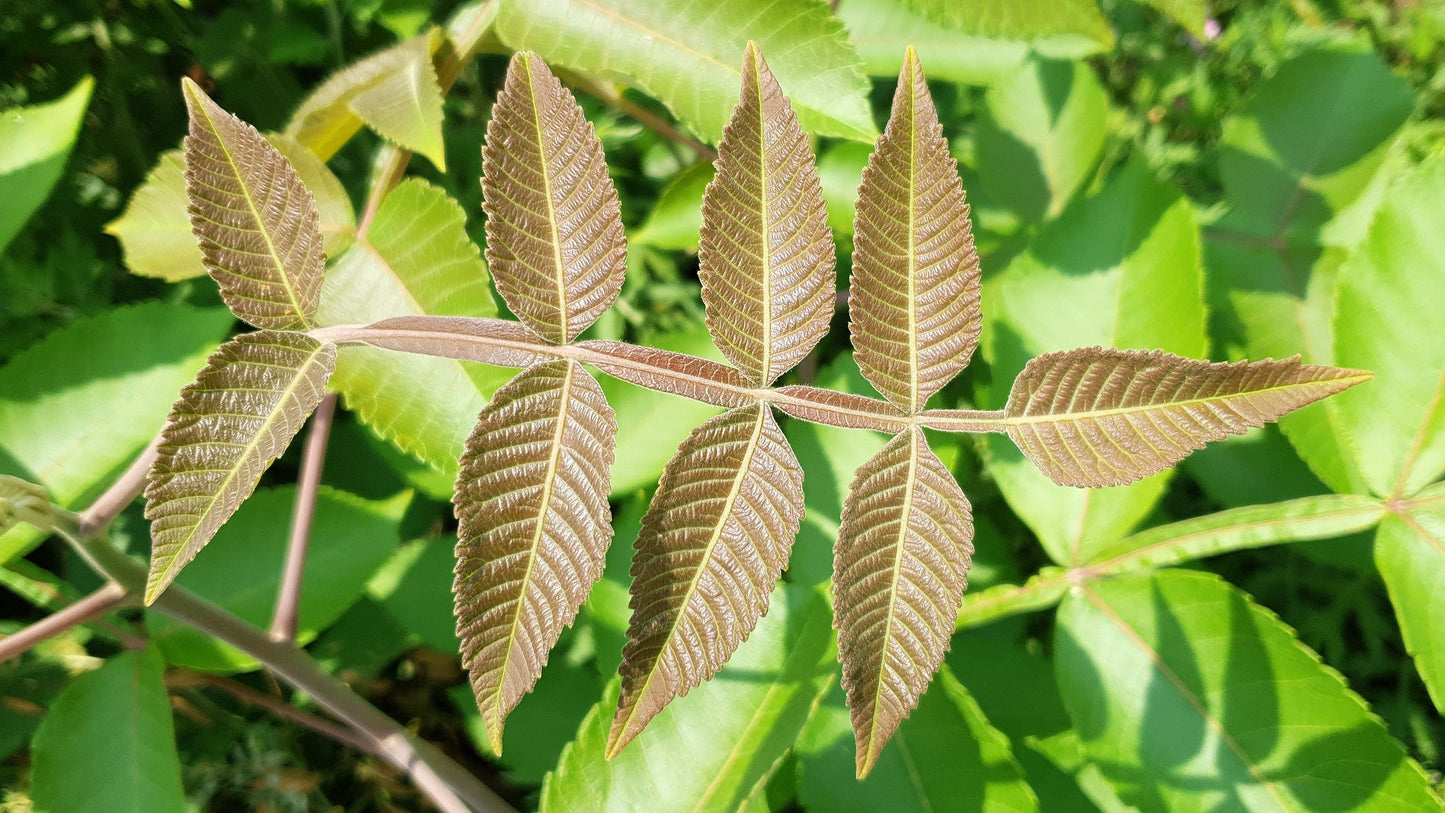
x: 1265, y: 181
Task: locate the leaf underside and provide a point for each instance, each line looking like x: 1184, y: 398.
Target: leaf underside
x: 230, y: 423
x: 712, y: 545
x: 554, y: 229
x: 914, y: 304
x: 256, y: 221
x: 766, y: 253
x: 1098, y: 417
x: 900, y: 568
x: 533, y: 527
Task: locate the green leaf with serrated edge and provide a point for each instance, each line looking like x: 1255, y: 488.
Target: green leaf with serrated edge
x: 1119, y: 268
x: 882, y: 30
x: 1041, y: 136
x: 395, y: 91
x: 707, y: 751
x: 914, y: 304
x: 533, y: 527
x: 415, y: 259
x: 1020, y: 19
x: 350, y: 539
x: 766, y: 255
x: 255, y: 220
x: 1188, y: 695
x: 1410, y: 552
x: 554, y: 223
x: 80, y: 404
x: 946, y: 758
x: 237, y: 417
x: 901, y: 565
x: 335, y: 215
x: 712, y: 546
x: 686, y: 54
x: 25, y: 502
x: 108, y: 743
x: 1390, y: 297
x: 1099, y: 417
x: 34, y: 145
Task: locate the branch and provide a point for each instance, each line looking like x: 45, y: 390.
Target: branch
x: 642, y: 115
x: 274, y: 705
x: 95, y: 519
x: 101, y: 601
x: 313, y: 460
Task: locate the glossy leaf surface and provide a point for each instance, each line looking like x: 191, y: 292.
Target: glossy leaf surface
x: 1410, y: 552
x: 237, y: 417
x: 533, y: 527
x: 554, y: 228
x: 766, y: 256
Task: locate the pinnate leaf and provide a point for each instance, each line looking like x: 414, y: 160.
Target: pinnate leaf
x: 914, y: 307
x: 1097, y: 416
x: 533, y: 527
x: 554, y: 226
x: 900, y: 569
x: 230, y: 423
x: 712, y: 545
x: 766, y: 253
x: 256, y: 222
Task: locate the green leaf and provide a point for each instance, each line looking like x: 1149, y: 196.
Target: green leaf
x: 415, y: 259
x: 25, y: 502
x: 34, y: 145
x: 79, y: 405
x: 766, y: 257
x: 108, y: 743
x: 1410, y: 552
x: 255, y: 220
x: 710, y: 749
x: 1188, y: 13
x: 1387, y: 319
x: 946, y: 757
x: 882, y: 30
x: 840, y: 171
x: 395, y: 91
x: 1021, y: 19
x: 237, y: 417
x: 1041, y: 591
x: 1041, y: 136
x: 241, y: 572
x: 1188, y: 695
x: 675, y: 221
x: 686, y: 54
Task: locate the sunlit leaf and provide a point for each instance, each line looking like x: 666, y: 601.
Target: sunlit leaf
x: 34, y: 145
x: 1410, y: 552
x: 1021, y: 19
x: 914, y: 307
x: 883, y: 29
x: 902, y: 560
x: 255, y: 220
x: 766, y: 256
x: 554, y: 228
x: 713, y: 544
x: 533, y: 530
x: 675, y: 220
x: 228, y: 426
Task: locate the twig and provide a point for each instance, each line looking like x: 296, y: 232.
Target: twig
x: 101, y: 601
x: 279, y: 708
x: 95, y: 519
x: 313, y: 460
x: 645, y: 117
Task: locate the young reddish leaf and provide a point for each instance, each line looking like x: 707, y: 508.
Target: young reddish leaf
x: 900, y: 567
x: 533, y: 527
x: 1100, y: 417
x: 766, y: 253
x: 914, y: 307
x: 256, y: 222
x: 554, y: 225
x: 228, y: 426
x: 713, y: 544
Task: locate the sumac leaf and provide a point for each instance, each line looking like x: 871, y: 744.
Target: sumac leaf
x: 712, y: 545
x: 554, y: 228
x: 534, y: 524
x: 900, y: 567
x: 256, y: 222
x: 1099, y: 417
x: 914, y: 304
x: 766, y: 253
x: 230, y: 423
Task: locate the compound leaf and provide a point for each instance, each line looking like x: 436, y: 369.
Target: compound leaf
x: 256, y: 222
x: 914, y: 307
x: 712, y: 545
x: 554, y: 225
x: 228, y: 426
x: 766, y: 253
x: 533, y: 527
x: 1097, y: 416
x: 900, y: 569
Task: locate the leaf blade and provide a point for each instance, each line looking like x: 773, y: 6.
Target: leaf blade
x: 1410, y: 552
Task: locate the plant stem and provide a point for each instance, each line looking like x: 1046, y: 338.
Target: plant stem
x: 101, y: 601
x: 313, y: 461
x: 95, y: 519
x: 645, y: 117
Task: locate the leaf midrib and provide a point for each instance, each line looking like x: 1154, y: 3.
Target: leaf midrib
x: 1096, y: 414
x: 895, y: 577
x: 559, y: 270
